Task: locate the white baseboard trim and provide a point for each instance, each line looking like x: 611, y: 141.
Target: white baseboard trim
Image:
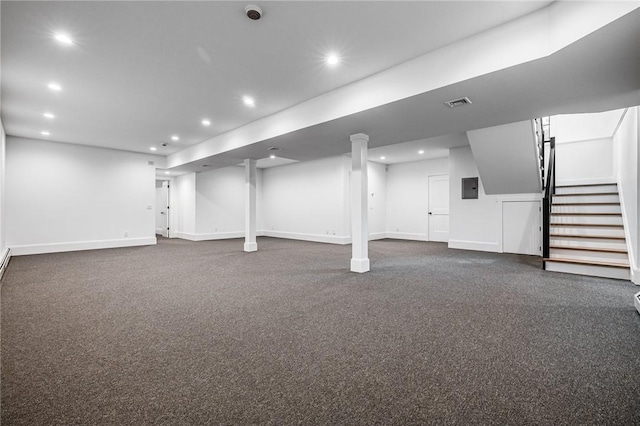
x: 407, y: 236
x: 635, y: 276
x: 210, y: 236
x: 5, y: 256
x: 158, y: 231
x: 474, y: 245
x: 81, y: 245
x: 587, y: 181
x: 376, y: 236
x: 185, y: 236
x: 318, y: 238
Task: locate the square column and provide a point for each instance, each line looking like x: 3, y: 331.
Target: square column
x: 359, y: 204
x: 250, y: 243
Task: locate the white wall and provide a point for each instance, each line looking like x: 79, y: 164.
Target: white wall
x: 220, y: 203
x: 408, y: 197
x: 627, y: 159
x: 514, y: 145
x: 184, y: 206
x: 584, y: 162
x: 3, y: 203
x: 62, y: 197
x: 307, y: 200
x: 475, y: 224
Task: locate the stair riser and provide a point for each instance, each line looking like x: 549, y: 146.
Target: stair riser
x: 601, y: 220
x: 613, y: 198
x: 587, y: 230
x: 586, y: 209
x: 588, y: 242
x: 592, y: 270
x: 587, y: 189
x: 589, y: 255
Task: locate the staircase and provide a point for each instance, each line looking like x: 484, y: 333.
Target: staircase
x: 586, y: 233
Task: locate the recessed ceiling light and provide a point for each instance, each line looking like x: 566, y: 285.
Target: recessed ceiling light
x: 153, y: 148
x: 421, y: 152
x: 49, y: 115
x: 333, y: 59
x: 175, y: 138
x: 383, y: 157
x: 206, y: 122
x: 248, y: 101
x: 54, y: 86
x: 63, y: 38
x: 272, y: 156
x: 45, y: 133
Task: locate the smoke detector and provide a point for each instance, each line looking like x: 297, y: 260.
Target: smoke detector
x: 458, y: 102
x: 274, y: 148
x: 253, y: 12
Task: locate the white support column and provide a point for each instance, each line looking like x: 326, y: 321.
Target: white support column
x: 250, y: 243
x: 359, y: 204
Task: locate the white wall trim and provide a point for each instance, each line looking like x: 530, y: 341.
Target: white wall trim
x: 5, y: 256
x: 186, y: 236
x: 377, y: 236
x: 407, y: 236
x: 474, y: 245
x: 584, y: 140
x: 635, y: 273
x: 80, y: 245
x: 587, y: 181
x: 319, y: 238
x: 216, y: 236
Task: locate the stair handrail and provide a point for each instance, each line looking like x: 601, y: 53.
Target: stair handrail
x: 547, y: 200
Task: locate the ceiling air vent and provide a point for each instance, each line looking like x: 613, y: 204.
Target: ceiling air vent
x: 458, y: 102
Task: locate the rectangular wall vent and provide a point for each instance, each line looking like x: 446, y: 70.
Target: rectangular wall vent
x: 458, y: 102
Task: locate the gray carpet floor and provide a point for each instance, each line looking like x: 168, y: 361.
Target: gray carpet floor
x: 201, y: 333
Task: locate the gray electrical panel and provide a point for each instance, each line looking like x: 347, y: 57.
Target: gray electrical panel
x: 469, y: 188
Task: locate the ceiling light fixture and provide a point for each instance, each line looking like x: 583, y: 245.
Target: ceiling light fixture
x: 166, y: 173
x: 153, y: 148
x: 45, y: 133
x: 333, y: 59
x: 421, y: 152
x: 175, y: 138
x: 272, y: 156
x: 253, y: 12
x: 54, y: 86
x: 49, y: 115
x: 206, y: 122
x: 383, y: 157
x: 248, y: 101
x: 64, y: 39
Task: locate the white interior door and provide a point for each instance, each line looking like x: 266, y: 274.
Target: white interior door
x: 439, y: 208
x: 521, y: 227
x: 162, y: 208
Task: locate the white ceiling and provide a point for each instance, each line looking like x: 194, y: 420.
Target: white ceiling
x: 580, y: 127
x: 140, y: 72
x: 143, y: 71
